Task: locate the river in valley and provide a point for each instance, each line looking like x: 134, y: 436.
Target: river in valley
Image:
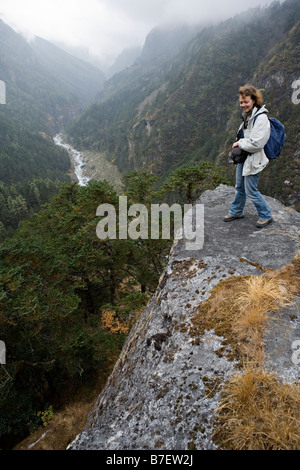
x: 76, y: 158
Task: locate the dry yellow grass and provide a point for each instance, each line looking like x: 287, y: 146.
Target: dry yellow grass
x: 240, y: 307
x: 258, y: 413
x: 259, y: 297
x: 71, y: 419
x: 60, y: 431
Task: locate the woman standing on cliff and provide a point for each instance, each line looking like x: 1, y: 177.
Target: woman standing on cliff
x: 253, y: 141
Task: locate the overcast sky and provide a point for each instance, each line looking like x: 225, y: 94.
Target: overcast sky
x: 106, y: 27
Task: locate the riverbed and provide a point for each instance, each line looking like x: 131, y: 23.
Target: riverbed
x: 76, y: 157
x: 91, y: 166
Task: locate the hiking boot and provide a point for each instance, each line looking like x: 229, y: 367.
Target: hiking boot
x: 263, y: 223
x: 229, y: 218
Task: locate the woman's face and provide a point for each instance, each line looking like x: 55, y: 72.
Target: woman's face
x: 246, y: 103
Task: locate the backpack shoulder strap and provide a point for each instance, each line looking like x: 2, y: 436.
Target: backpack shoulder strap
x: 256, y: 114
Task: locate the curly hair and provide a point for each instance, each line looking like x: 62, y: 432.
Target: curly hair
x: 255, y: 93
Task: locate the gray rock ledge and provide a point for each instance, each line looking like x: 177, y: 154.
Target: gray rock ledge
x: 157, y: 395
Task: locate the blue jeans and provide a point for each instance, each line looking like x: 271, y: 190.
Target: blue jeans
x: 246, y: 186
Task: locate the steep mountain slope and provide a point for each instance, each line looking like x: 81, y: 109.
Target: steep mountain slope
x: 107, y: 123
x: 163, y: 113
x: 46, y: 89
x: 36, y: 106
x: 166, y: 41
x: 34, y: 95
x: 123, y: 61
x: 79, y: 77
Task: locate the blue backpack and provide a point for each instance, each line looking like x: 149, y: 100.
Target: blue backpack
x: 277, y: 138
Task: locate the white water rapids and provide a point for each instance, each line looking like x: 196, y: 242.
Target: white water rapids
x: 76, y: 157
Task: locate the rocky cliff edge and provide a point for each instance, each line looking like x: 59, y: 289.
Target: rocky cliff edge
x: 158, y: 395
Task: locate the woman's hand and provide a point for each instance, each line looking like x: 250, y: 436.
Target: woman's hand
x: 235, y: 145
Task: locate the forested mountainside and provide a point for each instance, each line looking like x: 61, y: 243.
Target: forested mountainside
x: 67, y: 301
x: 161, y: 114
x: 40, y: 101
x: 36, y: 105
x: 163, y: 42
x: 79, y: 77
x: 35, y: 96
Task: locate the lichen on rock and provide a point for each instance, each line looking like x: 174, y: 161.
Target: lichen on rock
x: 167, y: 383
